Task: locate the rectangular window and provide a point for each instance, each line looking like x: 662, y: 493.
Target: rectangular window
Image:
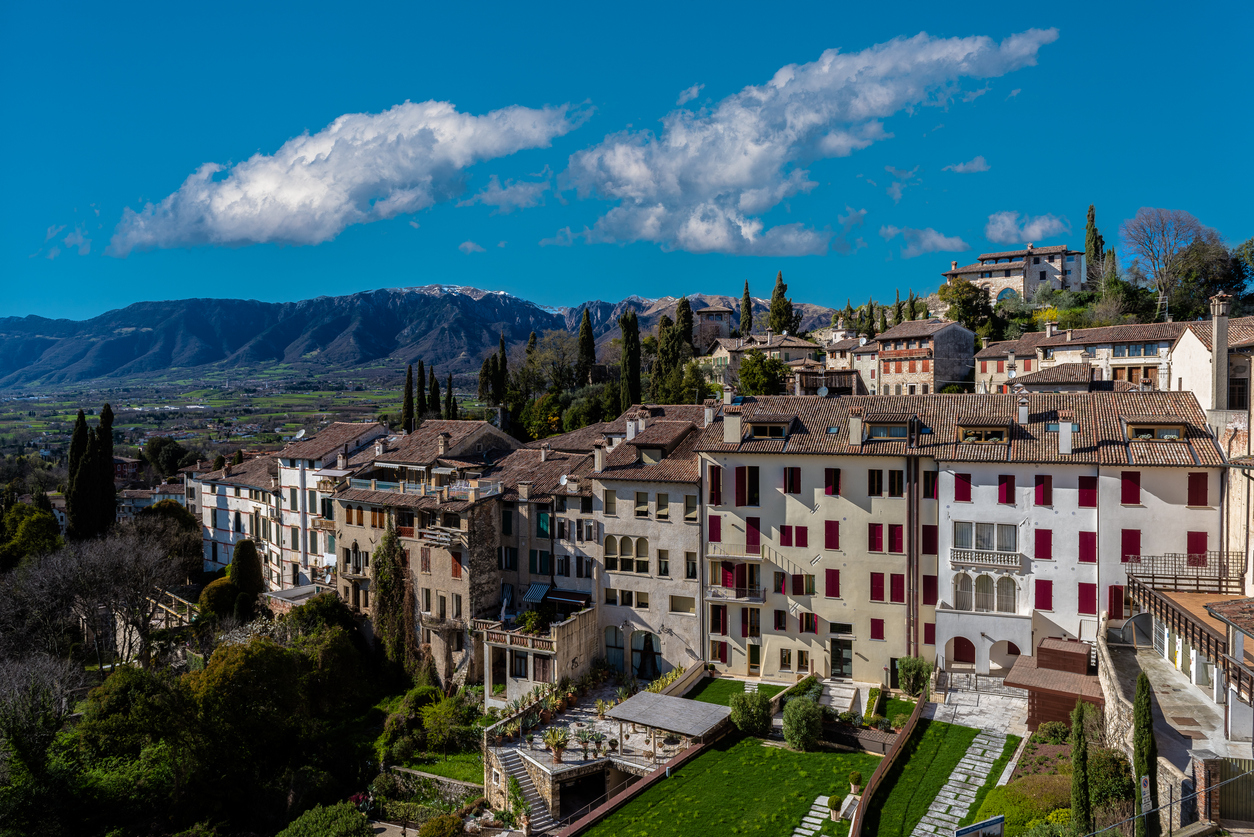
x: 929, y: 633
x: 1130, y: 546
x: 809, y: 623
x: 716, y: 529
x: 877, y: 629
x: 295, y: 538
x: 690, y: 565
x: 897, y: 588
x: 690, y: 507
x: 642, y: 504
x: 1044, y: 545
x: 457, y: 606
x: 798, y: 585
x: 747, y: 485
x: 929, y: 589
x: 877, y: 587
x: 1088, y: 548
x: 585, y: 504
x: 1006, y: 489
x: 1088, y: 492
x: 831, y: 584
x: 801, y: 536
x: 663, y: 507
x: 1044, y: 490
x: 1130, y: 488
x: 1044, y: 594
x: 831, y: 482
x: 456, y: 564
x: 896, y: 483
x: 785, y: 659
x: 663, y: 562
x: 624, y: 598
x: 803, y: 660
x: 929, y: 485
x: 533, y: 562
x: 896, y: 538
x: 1086, y: 594
x: 610, y: 501
x: 518, y: 664
x: 1199, y: 489
x: 544, y: 528
x: 781, y: 583
x: 931, y: 537
x: 962, y: 488
x: 716, y: 485
x: 642, y: 601
x: 785, y: 536
x: 753, y: 535
x: 792, y: 480
x: 293, y: 501
x: 875, y: 537
x: 875, y: 483
x: 781, y: 620
x: 831, y: 534
x: 507, y: 520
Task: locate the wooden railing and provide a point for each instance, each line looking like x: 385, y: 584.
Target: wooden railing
x: 886, y: 764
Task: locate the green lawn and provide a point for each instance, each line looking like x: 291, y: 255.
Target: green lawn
x: 921, y: 770
x: 735, y: 787
x: 896, y: 706
x: 1012, y: 744
x: 464, y: 767
x: 720, y: 690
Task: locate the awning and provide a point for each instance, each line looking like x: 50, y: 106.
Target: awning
x: 535, y: 593
x: 444, y: 471
x: 570, y: 597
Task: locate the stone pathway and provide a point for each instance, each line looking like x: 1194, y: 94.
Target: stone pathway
x: 751, y: 686
x: 812, y: 822
x: 955, y: 799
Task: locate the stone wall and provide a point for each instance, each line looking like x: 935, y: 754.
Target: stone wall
x: 450, y: 790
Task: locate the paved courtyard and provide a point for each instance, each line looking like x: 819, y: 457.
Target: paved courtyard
x: 1002, y: 713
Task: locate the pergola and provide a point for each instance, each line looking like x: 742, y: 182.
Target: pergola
x: 689, y: 719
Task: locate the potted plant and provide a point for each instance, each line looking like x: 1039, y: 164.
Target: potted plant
x: 557, y: 740
x: 855, y: 782
x: 584, y: 738
x: 613, y: 745
x: 623, y: 693
x: 602, y: 708
x: 900, y: 720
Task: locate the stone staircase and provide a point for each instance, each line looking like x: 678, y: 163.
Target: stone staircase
x: 839, y: 694
x: 751, y: 686
x: 541, y: 821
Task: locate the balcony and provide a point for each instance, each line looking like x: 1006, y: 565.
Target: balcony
x: 1200, y: 572
x: 463, y: 490
x: 445, y: 536
x: 323, y: 524
x: 441, y: 623
x: 980, y: 558
x: 735, y: 594
x: 354, y: 571
x: 733, y: 551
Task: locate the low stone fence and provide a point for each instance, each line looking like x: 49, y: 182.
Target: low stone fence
x: 450, y: 790
x: 860, y: 738
x: 886, y: 763
x: 691, y: 677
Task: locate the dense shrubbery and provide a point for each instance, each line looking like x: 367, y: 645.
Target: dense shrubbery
x: 218, y: 598
x: 803, y: 724
x: 446, y: 825
x: 751, y: 713
x: 342, y: 820
x: 1052, y: 732
x: 1027, y: 799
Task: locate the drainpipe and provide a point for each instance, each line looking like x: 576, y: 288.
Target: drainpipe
x: 912, y: 543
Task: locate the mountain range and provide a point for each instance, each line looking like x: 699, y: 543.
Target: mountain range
x: 450, y: 327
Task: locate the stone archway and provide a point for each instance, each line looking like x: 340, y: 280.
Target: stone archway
x: 1002, y: 655
x: 960, y: 650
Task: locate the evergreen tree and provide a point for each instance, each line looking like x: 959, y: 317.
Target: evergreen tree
x: 630, y: 381
x: 238, y: 458
x: 1094, y: 244
x: 102, y: 473
x: 531, y: 344
x: 501, y: 383
x: 746, y: 312
x: 1081, y: 804
x: 587, y: 352
x: 897, y: 317
x: 683, y: 321
x: 78, y: 494
x: 433, y: 393
x: 393, y: 602
x: 420, y: 394
x: 883, y: 320
x: 1145, y: 753
x: 245, y: 569
x: 450, y: 403
x: 78, y: 442
x: 407, y: 409
x: 910, y: 301
x: 219, y: 462
x: 781, y: 317
x: 667, y: 362
x: 485, y: 378
x: 82, y: 524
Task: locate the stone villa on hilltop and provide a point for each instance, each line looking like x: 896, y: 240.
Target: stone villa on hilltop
x: 1018, y: 273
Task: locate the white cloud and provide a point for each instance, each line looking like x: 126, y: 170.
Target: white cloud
x: 972, y: 95
x: 1014, y: 93
x: 362, y: 167
x: 1005, y: 228
x: 53, y: 230
x: 469, y: 247
x: 904, y: 179
x: 414, y: 224
x: 53, y: 253
x: 978, y: 164
x: 699, y: 184
x: 77, y: 239
x: 919, y: 242
x: 513, y: 195
x: 500, y: 244
x: 690, y: 94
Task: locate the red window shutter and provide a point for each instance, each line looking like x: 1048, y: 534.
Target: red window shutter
x: 1088, y: 598
x: 1044, y: 490
x: 877, y: 629
x: 1088, y: 547
x: 898, y: 367
x: 753, y: 535
x: 457, y: 565
x: 1196, y: 548
x: 741, y: 576
x: 1044, y: 545
x: 801, y: 536
x: 742, y: 485
x: 831, y: 587
x: 716, y: 485
x: 1114, y: 601
x: 831, y: 534
x: 1001, y: 366
x: 1088, y: 492
x: 929, y: 590
x: 744, y: 621
x: 1027, y: 365
x: 877, y: 587
x: 962, y: 488
x: 716, y: 529
x: 794, y: 480
x: 927, y: 365
x: 785, y: 536
x: 897, y: 589
x: 798, y: 585
x: 722, y: 653
x: 831, y: 482
x: 896, y: 537
x: 1130, y: 546
x: 1006, y: 489
x: 1130, y: 488
x: 875, y: 537
x: 1044, y: 594
x: 929, y: 633
x: 930, y: 539
x: 983, y: 367
x: 1199, y: 490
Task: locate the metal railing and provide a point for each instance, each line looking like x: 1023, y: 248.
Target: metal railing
x: 740, y: 551
x: 1203, y: 572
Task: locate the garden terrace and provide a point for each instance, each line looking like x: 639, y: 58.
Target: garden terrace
x: 521, y: 660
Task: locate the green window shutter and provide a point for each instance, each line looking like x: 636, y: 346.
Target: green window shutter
x: 532, y: 563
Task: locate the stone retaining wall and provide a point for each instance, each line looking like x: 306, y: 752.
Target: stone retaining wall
x: 450, y: 790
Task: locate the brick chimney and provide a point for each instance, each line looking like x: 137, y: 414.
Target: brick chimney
x: 1220, y: 305
x: 953, y: 265
x: 598, y: 457
x: 444, y: 438
x: 524, y: 489
x: 728, y: 395
x: 855, y: 426
x: 709, y: 412
x: 1051, y: 329
x: 731, y: 425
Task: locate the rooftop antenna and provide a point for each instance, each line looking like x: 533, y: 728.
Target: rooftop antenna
x: 300, y: 434
x: 823, y: 392
x: 562, y: 481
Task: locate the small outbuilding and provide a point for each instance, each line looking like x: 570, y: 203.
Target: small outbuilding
x: 1057, y: 676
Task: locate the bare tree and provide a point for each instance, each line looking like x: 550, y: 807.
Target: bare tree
x: 35, y: 700
x: 1157, y: 237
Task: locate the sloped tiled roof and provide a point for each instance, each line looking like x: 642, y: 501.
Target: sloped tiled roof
x: 332, y: 438
x: 422, y: 447
x: 1240, y: 331
x: 585, y: 438
x: 545, y: 477
x: 252, y: 473
x: 680, y: 465
x: 916, y: 328
x: 1059, y: 373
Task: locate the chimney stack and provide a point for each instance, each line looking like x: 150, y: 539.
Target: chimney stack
x: 1051, y: 329
x: 444, y: 437
x: 953, y: 265
x: 340, y: 461
x: 796, y: 382
x: 1029, y: 248
x: 983, y: 342
x: 855, y: 426
x: 1070, y: 332
x: 709, y: 412
x: 728, y: 394
x: 1023, y: 410
x: 524, y: 489
x: 544, y: 452
x: 1010, y: 362
x: 731, y: 425
x: 631, y: 428
x: 598, y: 457
x: 1220, y: 304
x: 1064, y: 432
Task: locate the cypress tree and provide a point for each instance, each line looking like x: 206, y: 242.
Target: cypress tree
x: 78, y: 442
x: 245, y: 569
x: 102, y: 474
x: 897, y: 317
x: 683, y: 321
x: 1081, y: 805
x: 485, y: 378
x: 630, y: 380
x: 392, y: 600
x: 420, y: 394
x: 883, y: 320
x: 433, y: 393
x: 502, y: 371
x: 407, y: 409
x: 781, y: 317
x: 1094, y: 244
x: 587, y: 352
x: 746, y: 312
x: 238, y: 458
x: 219, y: 462
x: 1145, y: 754
x: 77, y: 494
x: 450, y: 403
x: 910, y: 300
x: 88, y: 499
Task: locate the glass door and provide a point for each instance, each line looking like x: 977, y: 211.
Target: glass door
x: 755, y: 659
x: 842, y: 658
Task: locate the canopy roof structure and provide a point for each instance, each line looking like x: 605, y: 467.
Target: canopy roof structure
x: 677, y: 715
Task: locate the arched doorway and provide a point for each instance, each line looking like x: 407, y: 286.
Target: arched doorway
x: 614, y: 648
x: 1002, y: 655
x: 963, y: 650
x: 646, y: 651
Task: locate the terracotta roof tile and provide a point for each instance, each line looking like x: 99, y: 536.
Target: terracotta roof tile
x: 916, y: 328
x: 252, y: 473
x: 1061, y: 373
x: 332, y: 438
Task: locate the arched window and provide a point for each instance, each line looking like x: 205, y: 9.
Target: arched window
x: 897, y: 390
x: 1007, y: 293
x: 962, y: 592
x: 1006, y: 591
x: 984, y: 594
x: 611, y: 545
x: 642, y: 547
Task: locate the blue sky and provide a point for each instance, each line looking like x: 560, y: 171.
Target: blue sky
x: 583, y: 151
